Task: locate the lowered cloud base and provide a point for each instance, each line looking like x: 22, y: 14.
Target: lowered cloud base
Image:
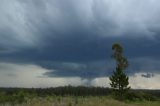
x: 33, y: 76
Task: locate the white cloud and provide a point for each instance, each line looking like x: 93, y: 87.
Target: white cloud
x: 139, y: 82
x: 102, y: 82
x: 136, y: 81
x: 26, y: 75
x: 20, y: 75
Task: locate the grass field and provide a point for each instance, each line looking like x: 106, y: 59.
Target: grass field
x: 80, y: 101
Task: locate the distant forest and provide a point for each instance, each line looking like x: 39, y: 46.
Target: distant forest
x: 72, y: 91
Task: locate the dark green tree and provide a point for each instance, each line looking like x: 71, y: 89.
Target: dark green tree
x: 119, y: 80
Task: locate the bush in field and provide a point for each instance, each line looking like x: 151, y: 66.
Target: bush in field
x: 17, y: 97
x: 59, y: 99
x: 139, y: 96
x: 20, y: 96
x: 2, y: 97
x: 69, y: 104
x: 76, y: 100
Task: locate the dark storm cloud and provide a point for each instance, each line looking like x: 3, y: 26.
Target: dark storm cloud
x: 148, y: 75
x: 84, y: 70
x: 74, y: 37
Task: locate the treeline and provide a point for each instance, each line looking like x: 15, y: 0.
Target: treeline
x: 60, y: 91
x: 71, y: 91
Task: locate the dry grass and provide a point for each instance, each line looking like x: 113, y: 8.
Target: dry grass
x: 81, y: 101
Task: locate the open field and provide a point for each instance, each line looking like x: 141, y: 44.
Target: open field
x: 80, y: 101
x: 75, y: 96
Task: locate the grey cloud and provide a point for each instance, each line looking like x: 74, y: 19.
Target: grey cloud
x: 96, y: 69
x: 31, y: 22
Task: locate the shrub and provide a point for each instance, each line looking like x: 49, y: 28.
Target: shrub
x: 139, y: 96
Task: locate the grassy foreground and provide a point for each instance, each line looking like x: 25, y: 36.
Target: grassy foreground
x: 79, y: 101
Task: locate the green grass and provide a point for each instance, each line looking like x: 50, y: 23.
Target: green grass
x: 79, y: 101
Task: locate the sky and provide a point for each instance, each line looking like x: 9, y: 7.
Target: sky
x: 50, y: 43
